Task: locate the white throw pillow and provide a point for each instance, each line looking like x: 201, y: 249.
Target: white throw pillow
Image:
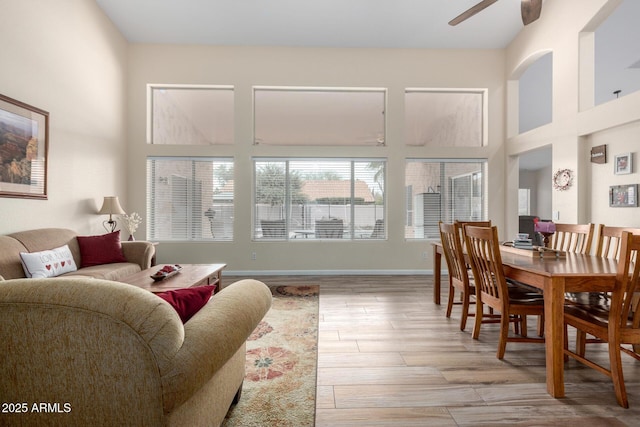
x: 49, y: 263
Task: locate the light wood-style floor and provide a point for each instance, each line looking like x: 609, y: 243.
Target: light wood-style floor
x: 388, y: 356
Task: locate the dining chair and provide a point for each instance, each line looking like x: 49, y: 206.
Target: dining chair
x: 462, y: 224
x: 513, y: 304
x: 608, y: 246
x: 575, y: 238
x: 458, y: 273
x: 612, y: 322
x: 608, y: 243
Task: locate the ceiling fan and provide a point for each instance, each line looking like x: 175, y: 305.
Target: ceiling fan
x: 530, y: 11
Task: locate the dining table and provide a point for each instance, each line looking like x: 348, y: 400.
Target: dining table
x: 553, y: 275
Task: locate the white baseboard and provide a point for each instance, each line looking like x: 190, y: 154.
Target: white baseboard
x: 328, y: 273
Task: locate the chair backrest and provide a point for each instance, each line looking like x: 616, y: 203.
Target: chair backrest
x: 462, y: 224
x: 453, y: 254
x: 329, y: 228
x: 608, y: 245
x: 378, y: 230
x: 573, y: 238
x: 273, y: 227
x: 627, y: 277
x: 483, y: 249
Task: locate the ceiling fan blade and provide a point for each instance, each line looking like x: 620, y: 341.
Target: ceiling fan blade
x: 472, y: 11
x: 530, y: 10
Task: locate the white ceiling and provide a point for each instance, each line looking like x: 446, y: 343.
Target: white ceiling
x: 311, y: 23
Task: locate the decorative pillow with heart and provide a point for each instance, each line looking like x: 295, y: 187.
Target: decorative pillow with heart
x: 102, y: 249
x: 49, y: 263
x: 188, y: 301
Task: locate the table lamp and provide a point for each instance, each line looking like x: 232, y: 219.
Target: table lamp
x: 111, y: 206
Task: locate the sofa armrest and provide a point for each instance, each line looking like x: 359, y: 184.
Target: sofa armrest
x: 213, y: 336
x: 139, y: 252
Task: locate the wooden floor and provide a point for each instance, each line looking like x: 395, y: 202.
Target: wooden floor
x: 388, y: 356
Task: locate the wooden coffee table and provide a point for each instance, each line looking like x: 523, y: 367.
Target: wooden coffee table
x: 190, y: 275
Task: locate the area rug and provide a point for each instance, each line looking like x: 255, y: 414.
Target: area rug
x: 280, y: 383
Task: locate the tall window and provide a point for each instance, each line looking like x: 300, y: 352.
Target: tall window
x: 443, y: 190
x: 189, y: 199
x: 319, y: 116
x: 319, y: 199
x: 445, y: 118
x: 190, y: 115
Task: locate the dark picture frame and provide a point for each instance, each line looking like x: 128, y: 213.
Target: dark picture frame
x: 623, y: 196
x: 24, y: 147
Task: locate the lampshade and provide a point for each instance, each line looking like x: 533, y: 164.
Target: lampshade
x: 111, y: 206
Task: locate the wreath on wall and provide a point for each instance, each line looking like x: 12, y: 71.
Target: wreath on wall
x: 563, y: 179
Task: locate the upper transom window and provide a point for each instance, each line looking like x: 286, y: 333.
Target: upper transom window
x: 444, y: 118
x: 319, y: 116
x: 190, y: 115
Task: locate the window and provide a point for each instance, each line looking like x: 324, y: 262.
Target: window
x: 190, y: 115
x: 189, y: 199
x: 319, y: 116
x: 444, y: 118
x: 535, y: 94
x: 443, y: 190
x: 298, y: 199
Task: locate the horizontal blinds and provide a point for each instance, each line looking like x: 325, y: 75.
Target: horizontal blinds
x: 319, y: 198
x: 443, y: 191
x: 189, y: 199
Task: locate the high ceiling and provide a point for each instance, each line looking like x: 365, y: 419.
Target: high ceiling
x: 311, y: 23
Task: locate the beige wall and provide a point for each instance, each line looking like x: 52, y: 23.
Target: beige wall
x: 244, y: 67
x: 577, y: 125
x: 66, y: 57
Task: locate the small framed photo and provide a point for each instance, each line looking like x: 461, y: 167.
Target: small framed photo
x: 623, y: 164
x: 623, y: 196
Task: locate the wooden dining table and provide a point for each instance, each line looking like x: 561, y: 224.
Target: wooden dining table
x: 554, y: 276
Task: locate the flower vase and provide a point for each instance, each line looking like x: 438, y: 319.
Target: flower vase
x: 131, y: 238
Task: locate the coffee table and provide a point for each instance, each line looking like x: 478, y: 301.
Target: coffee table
x: 190, y: 275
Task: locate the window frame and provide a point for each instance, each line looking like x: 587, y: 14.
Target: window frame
x: 381, y: 90
x: 446, y: 203
x: 287, y: 206
x: 152, y: 221
x: 484, y: 119
x: 150, y: 113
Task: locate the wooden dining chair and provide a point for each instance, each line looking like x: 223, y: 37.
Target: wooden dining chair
x: 611, y: 322
x: 575, y: 238
x: 458, y: 273
x: 608, y: 243
x: 513, y: 304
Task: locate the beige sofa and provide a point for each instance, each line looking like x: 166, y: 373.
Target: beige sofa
x: 138, y: 254
x: 96, y: 352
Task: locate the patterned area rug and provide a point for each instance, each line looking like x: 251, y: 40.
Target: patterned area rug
x: 280, y: 384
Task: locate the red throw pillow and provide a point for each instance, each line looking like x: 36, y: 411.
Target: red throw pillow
x: 188, y: 301
x: 97, y: 250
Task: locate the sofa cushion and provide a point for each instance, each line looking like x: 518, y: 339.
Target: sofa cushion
x: 115, y: 272
x: 101, y: 249
x: 188, y: 301
x: 49, y: 263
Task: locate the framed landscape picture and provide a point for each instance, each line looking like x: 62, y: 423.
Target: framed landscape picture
x: 24, y: 142
x: 623, y: 195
